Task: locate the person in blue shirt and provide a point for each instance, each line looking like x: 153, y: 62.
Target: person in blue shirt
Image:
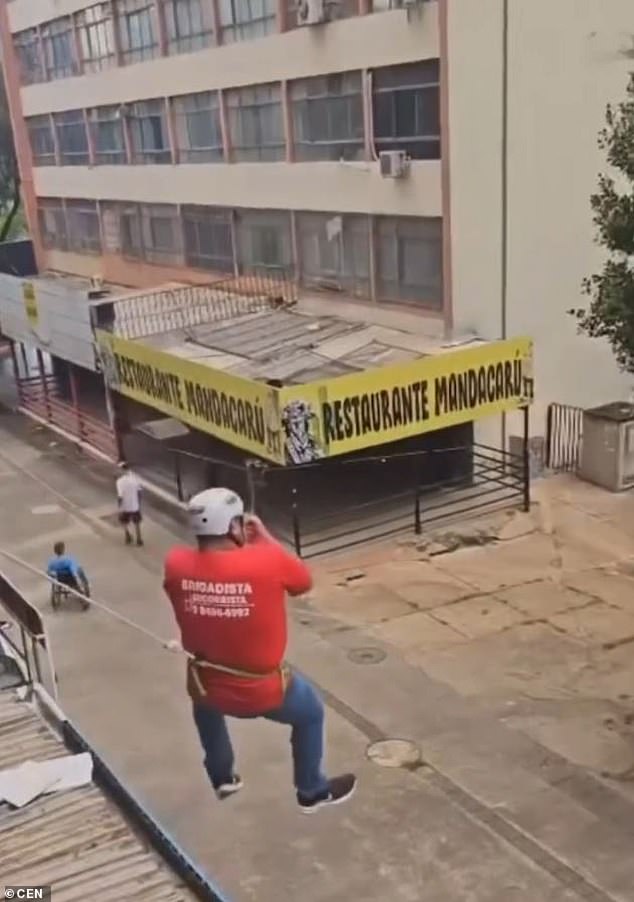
x: 65, y: 569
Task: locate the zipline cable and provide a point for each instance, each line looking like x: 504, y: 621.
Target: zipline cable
x: 168, y: 644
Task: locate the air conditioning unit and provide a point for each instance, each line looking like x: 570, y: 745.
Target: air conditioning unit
x: 97, y: 289
x: 393, y: 164
x: 312, y: 12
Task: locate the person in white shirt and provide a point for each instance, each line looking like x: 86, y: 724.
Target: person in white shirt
x: 129, y: 498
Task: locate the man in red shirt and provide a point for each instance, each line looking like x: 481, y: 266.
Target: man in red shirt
x: 228, y: 596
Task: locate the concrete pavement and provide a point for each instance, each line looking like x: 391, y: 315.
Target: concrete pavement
x: 498, y: 812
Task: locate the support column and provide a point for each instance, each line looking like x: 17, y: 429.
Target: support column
x: 16, y: 371
x: 25, y: 361
x: 75, y: 399
x: 113, y: 419
x: 42, y: 369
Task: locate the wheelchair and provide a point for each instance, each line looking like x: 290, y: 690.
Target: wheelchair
x: 61, y: 590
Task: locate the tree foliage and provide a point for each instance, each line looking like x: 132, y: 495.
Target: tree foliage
x: 610, y: 313
x: 10, y: 218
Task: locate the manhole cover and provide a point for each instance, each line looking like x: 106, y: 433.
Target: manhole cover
x: 395, y: 753
x: 366, y: 655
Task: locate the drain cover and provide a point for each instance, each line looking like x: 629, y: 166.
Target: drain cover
x: 395, y: 753
x: 368, y: 655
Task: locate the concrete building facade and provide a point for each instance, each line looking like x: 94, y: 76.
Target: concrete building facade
x: 184, y: 140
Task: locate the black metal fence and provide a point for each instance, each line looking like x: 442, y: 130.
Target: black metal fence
x: 330, y: 505
x: 564, y: 437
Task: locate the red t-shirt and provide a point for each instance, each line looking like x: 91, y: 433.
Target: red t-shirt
x: 229, y: 605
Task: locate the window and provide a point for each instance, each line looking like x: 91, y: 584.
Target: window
x: 335, y: 252
x: 256, y: 124
x: 406, y: 109
x: 198, y: 132
x: 161, y: 233
x: 95, y: 32
x: 58, y: 48
x: 148, y: 132
x: 264, y: 241
x: 106, y: 127
x: 208, y: 243
x: 42, y: 142
x: 27, y: 50
x: 52, y: 222
x: 84, y: 234
x: 409, y: 260
x: 242, y: 20
x: 130, y: 230
x: 189, y: 25
x: 328, y: 117
x: 71, y: 137
x: 136, y: 27
x: 150, y: 231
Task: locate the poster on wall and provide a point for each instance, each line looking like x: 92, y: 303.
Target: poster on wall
x: 30, y: 305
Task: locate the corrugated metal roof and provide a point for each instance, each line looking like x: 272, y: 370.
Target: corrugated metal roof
x: 78, y: 841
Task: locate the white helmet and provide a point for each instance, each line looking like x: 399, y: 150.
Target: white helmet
x: 211, y: 512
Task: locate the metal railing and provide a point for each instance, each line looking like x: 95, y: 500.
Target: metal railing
x: 40, y: 397
x: 564, y: 437
x: 184, y: 307
x: 331, y: 505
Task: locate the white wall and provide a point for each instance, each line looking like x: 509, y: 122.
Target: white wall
x: 381, y: 39
x: 64, y: 320
x: 566, y: 62
x: 340, y: 187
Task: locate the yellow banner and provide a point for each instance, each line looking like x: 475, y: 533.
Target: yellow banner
x: 30, y: 304
x: 235, y: 410
x: 348, y: 413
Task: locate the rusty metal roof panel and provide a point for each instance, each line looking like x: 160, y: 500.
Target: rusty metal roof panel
x: 266, y: 336
x: 78, y: 841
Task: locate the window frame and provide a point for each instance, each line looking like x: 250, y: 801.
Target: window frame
x: 346, y: 276
x: 194, y: 219
x: 241, y: 152
x: 81, y: 238
x: 34, y: 72
x: 195, y: 39
x: 430, y: 295
x: 429, y: 82
x: 71, y: 157
x: 184, y: 119
x: 101, y: 116
x: 139, y: 153
x: 53, y: 207
x: 153, y: 251
x: 126, y: 11
x: 53, y: 36
x: 252, y: 223
x: 37, y: 124
x: 235, y: 27
x: 93, y: 31
x: 310, y: 104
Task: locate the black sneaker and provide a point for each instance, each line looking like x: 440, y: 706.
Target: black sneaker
x: 339, y: 790
x: 229, y: 789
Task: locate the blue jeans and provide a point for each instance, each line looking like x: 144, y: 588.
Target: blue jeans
x: 302, y: 710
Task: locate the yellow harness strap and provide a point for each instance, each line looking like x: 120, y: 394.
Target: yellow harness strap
x: 194, y: 663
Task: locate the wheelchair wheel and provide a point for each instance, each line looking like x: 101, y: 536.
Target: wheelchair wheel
x: 56, y: 597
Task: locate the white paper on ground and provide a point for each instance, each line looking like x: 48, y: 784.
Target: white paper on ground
x: 20, y: 785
